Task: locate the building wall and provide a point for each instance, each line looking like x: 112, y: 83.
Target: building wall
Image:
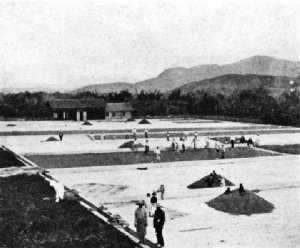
x: 78, y: 114
x: 118, y: 115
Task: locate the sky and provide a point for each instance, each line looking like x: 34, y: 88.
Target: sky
x: 68, y: 44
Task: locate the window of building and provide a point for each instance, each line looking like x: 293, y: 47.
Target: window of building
x: 113, y: 114
x: 107, y: 114
x: 55, y: 115
x: 123, y: 113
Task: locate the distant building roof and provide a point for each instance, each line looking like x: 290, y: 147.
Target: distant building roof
x: 118, y: 107
x: 76, y: 103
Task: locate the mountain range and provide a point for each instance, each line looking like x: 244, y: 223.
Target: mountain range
x: 48, y: 89
x: 230, y: 83
x: 107, y: 87
x: 173, y: 78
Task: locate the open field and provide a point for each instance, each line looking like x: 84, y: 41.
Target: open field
x: 190, y: 222
x: 30, y: 218
x: 121, y: 127
x: 23, y: 126
x: 76, y: 162
x: 125, y: 158
x: 81, y: 143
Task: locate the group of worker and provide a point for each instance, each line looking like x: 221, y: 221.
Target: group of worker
x: 242, y: 140
x: 102, y: 136
x: 241, y: 190
x: 175, y: 145
x: 214, y: 178
x: 150, y: 208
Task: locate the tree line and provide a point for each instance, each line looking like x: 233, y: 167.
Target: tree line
x: 253, y: 103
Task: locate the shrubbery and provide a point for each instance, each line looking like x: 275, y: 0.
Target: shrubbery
x: 254, y: 103
x: 30, y: 218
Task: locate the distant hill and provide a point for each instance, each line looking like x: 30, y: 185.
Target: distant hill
x: 227, y: 84
x: 107, y: 87
x: 261, y: 65
x: 173, y: 78
x: 32, y: 89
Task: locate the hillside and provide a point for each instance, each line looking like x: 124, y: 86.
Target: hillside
x: 175, y: 77
x: 227, y: 84
x: 260, y: 65
x: 107, y: 87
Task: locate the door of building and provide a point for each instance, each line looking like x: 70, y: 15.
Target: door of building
x: 84, y: 115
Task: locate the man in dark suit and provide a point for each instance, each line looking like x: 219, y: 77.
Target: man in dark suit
x: 158, y: 223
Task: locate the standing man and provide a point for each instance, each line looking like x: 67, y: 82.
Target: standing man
x: 207, y: 142
x: 173, y: 145
x: 60, y: 135
x: 92, y: 137
x: 183, y: 145
x: 102, y: 135
x: 158, y: 223
x: 168, y: 136
x: 146, y: 134
x: 153, y: 201
x: 195, y: 142
x: 134, y: 133
x: 217, y: 146
x: 162, y: 191
x: 232, y: 139
x: 249, y: 142
x: 147, y: 147
x: 185, y: 135
x: 223, y: 152
x: 177, y: 147
x: 135, y: 145
x: 148, y: 205
x: 157, y: 152
x: 141, y: 222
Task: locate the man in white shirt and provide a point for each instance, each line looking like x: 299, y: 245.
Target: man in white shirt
x: 157, y: 152
x: 135, y: 145
x: 134, y: 133
x: 59, y: 190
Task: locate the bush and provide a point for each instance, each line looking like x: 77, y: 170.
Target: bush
x: 85, y: 226
x: 90, y: 241
x: 42, y: 225
x: 10, y: 213
x: 7, y: 233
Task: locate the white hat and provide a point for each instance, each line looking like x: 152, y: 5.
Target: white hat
x: 141, y: 202
x: 158, y: 205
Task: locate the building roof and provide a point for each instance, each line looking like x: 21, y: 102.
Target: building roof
x: 118, y: 107
x: 76, y: 103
